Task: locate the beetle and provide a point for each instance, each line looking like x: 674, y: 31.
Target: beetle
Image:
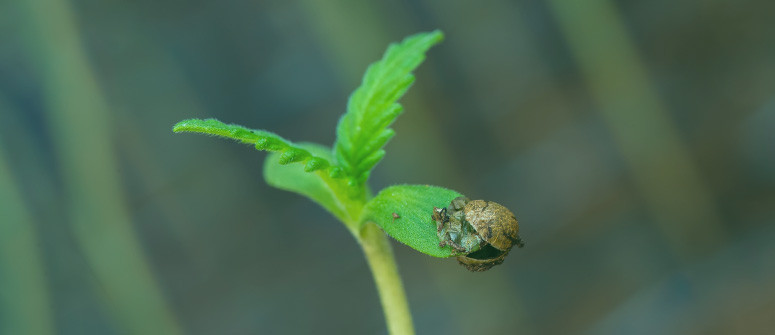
x: 480, y: 232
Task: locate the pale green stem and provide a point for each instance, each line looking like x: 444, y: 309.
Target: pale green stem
x: 379, y: 255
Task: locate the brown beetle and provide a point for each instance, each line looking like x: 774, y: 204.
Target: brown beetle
x: 481, y: 232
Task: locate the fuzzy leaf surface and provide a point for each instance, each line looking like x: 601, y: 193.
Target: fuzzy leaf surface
x: 294, y: 178
x: 413, y: 204
x: 363, y: 130
x: 262, y: 140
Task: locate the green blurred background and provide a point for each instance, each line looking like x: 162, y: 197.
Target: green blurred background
x: 634, y: 140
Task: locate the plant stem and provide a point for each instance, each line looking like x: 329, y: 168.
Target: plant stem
x: 379, y: 255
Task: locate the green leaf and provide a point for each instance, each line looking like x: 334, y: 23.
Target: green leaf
x: 294, y: 178
x: 263, y: 140
x: 363, y: 130
x: 413, y: 204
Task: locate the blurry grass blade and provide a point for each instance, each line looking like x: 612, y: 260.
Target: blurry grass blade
x: 627, y: 100
x: 362, y: 131
x: 82, y: 129
x: 263, y: 140
x: 24, y: 295
x: 412, y: 223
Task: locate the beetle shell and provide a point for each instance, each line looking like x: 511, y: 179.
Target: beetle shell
x: 495, y: 224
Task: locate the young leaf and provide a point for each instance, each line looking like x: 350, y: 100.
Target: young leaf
x: 412, y: 223
x: 294, y: 178
x: 363, y: 130
x: 263, y: 140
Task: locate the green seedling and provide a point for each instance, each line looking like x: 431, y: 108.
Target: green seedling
x: 433, y: 220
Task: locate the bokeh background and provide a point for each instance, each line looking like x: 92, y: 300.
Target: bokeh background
x: 635, y: 141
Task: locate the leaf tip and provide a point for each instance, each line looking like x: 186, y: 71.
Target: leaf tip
x: 292, y: 155
x: 314, y: 164
x: 183, y: 125
x: 436, y: 36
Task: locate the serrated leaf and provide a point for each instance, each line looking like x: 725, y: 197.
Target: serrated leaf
x: 413, y: 206
x: 263, y: 140
x: 362, y: 131
x: 295, y: 178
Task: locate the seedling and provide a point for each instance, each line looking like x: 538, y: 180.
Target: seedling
x: 433, y: 220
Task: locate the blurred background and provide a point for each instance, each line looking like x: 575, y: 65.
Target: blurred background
x: 635, y: 141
